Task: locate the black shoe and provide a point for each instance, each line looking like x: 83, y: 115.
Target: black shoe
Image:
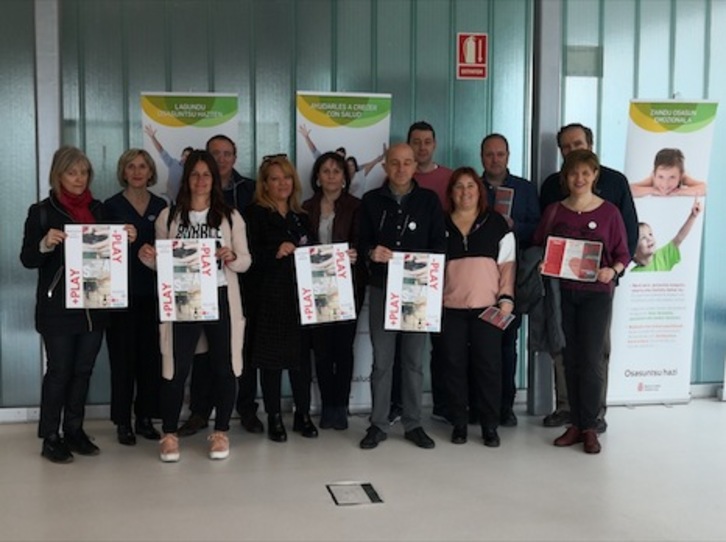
x: 459, y: 434
x: 491, y: 437
x: 373, y: 437
x: 79, y: 442
x: 192, y: 426
x: 56, y: 450
x: 125, y: 435
x: 327, y: 417
x: 601, y: 425
x: 251, y: 423
x: 304, y: 425
x: 394, y: 414
x: 340, y: 418
x: 145, y: 428
x: 419, y: 437
x: 508, y: 418
x: 557, y: 419
x: 275, y: 429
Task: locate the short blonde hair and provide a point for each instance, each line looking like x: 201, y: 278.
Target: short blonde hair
x: 128, y: 157
x: 262, y: 197
x: 64, y: 159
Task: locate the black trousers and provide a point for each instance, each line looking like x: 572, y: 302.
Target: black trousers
x: 471, y: 349
x: 333, y: 348
x: 300, y: 381
x: 135, y: 361
x: 585, y: 318
x: 71, y: 358
x: 224, y: 383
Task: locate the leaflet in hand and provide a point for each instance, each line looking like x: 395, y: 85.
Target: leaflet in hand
x: 187, y: 279
x: 572, y: 259
x: 96, y: 266
x: 324, y: 284
x: 496, y: 317
x: 414, y: 292
x: 503, y: 199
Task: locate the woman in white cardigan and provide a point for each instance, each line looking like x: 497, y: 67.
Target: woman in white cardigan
x: 200, y: 213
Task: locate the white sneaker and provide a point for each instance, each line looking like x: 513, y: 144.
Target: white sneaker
x: 218, y: 445
x: 169, y: 448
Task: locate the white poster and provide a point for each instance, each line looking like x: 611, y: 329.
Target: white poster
x: 414, y: 292
x: 324, y: 284
x: 96, y: 266
x: 354, y: 125
x: 667, y: 164
x: 186, y: 279
x: 173, y: 122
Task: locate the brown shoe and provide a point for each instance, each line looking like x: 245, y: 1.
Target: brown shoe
x: 194, y: 424
x: 569, y: 437
x: 591, y: 443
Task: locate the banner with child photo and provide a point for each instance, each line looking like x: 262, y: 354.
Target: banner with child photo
x: 667, y: 164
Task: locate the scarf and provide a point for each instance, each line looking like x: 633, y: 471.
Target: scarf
x: 77, y: 206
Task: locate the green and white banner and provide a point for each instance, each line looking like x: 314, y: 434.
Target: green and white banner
x: 355, y: 125
x: 173, y: 122
x: 667, y: 164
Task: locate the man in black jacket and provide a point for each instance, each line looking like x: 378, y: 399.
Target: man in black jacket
x: 399, y: 216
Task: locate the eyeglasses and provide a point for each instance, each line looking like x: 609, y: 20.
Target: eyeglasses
x: 271, y: 157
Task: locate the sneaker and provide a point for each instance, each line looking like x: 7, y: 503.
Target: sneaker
x: 557, y: 419
x: 79, y: 442
x: 373, y: 437
x: 192, y: 426
x: 394, y: 414
x: 169, y: 448
x: 218, y: 445
x: 56, y: 450
x: 419, y: 437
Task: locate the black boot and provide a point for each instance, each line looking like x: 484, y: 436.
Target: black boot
x: 125, y: 435
x: 275, y: 428
x: 304, y: 425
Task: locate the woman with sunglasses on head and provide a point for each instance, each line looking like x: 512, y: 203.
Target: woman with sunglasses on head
x: 334, y: 216
x: 276, y: 226
x: 201, y: 212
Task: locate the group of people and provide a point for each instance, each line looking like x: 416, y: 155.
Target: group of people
x: 421, y: 207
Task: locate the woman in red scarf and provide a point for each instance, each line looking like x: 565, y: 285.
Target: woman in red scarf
x: 72, y: 337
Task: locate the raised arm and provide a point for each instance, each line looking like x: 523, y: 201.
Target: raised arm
x: 368, y: 166
x: 305, y: 132
x: 152, y: 135
x: 688, y: 224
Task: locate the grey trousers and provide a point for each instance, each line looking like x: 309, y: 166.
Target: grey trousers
x: 414, y: 352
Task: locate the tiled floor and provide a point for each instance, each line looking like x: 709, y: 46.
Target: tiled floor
x: 661, y: 476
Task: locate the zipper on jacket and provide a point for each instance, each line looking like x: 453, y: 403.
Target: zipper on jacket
x: 55, y: 281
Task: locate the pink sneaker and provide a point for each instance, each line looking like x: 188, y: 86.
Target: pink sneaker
x: 169, y: 448
x: 218, y: 445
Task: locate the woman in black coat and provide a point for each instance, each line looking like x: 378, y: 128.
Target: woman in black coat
x: 72, y: 337
x: 276, y: 226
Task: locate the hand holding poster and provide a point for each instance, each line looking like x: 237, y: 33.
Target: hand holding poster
x: 414, y: 292
x: 324, y: 284
x: 96, y: 270
x: 186, y: 279
x: 572, y: 259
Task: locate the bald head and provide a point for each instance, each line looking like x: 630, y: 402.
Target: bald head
x: 400, y: 165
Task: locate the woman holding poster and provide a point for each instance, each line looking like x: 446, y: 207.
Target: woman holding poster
x: 201, y: 213
x: 277, y: 225
x: 72, y: 337
x: 133, y: 335
x: 334, y: 215
x: 586, y: 305
x: 480, y: 264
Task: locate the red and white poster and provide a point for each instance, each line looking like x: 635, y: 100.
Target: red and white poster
x: 572, y: 259
x: 471, y: 55
x: 414, y: 292
x: 187, y: 279
x: 324, y: 284
x: 96, y: 270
